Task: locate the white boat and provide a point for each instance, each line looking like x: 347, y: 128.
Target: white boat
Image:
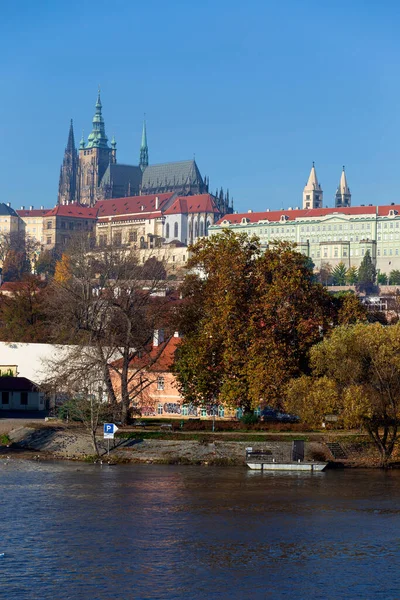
x: 292, y: 466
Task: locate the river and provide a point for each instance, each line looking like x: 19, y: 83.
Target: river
x: 138, y: 532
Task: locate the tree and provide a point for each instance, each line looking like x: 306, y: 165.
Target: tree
x: 352, y: 276
x: 366, y: 275
x: 249, y: 320
x: 364, y: 362
x: 349, y: 309
x: 312, y: 398
x: 394, y: 277
x: 46, y: 262
x: 382, y: 279
x: 339, y: 274
x: 99, y: 301
x: 22, y: 315
x: 16, y: 265
x: 324, y: 274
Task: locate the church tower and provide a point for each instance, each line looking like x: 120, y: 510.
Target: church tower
x: 144, y: 150
x: 343, y: 195
x: 312, y: 193
x: 94, y: 158
x: 68, y: 171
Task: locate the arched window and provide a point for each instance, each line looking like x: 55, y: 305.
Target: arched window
x: 201, y: 228
x: 207, y: 227
x: 190, y: 231
x: 196, y: 230
x: 167, y: 230
x: 176, y: 230
x: 142, y: 245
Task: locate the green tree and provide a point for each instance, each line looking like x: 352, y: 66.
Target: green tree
x: 382, y: 279
x: 366, y: 275
x: 394, y: 277
x: 339, y: 274
x: 46, y: 262
x: 364, y: 362
x: 352, y: 276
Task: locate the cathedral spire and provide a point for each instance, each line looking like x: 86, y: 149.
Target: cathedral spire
x: 343, y: 194
x: 68, y: 172
x: 144, y: 150
x: 71, y: 139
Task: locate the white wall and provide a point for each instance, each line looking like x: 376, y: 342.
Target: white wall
x: 29, y: 358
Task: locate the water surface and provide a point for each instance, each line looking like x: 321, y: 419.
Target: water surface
x: 154, y: 532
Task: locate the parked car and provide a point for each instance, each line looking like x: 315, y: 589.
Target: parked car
x: 272, y: 415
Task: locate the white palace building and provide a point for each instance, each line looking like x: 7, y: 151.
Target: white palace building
x: 327, y: 235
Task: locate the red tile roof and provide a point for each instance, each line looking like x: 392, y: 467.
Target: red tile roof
x: 162, y: 355
x: 36, y: 212
x: 132, y: 205
x: 292, y: 215
x: 200, y: 203
x: 73, y: 210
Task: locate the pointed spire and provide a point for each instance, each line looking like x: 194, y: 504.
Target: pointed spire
x: 71, y: 139
x: 144, y: 150
x: 113, y: 143
x: 313, y: 180
x: 343, y: 194
x: 98, y: 138
x: 82, y: 142
x: 344, y: 188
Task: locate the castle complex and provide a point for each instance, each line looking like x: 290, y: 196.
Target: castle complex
x: 92, y: 172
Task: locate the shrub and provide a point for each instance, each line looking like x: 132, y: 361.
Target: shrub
x: 249, y: 419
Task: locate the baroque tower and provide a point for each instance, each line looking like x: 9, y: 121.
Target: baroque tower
x: 144, y: 150
x: 68, y: 171
x: 94, y: 158
x: 312, y: 193
x: 343, y: 195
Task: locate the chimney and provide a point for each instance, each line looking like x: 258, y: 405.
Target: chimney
x: 176, y: 334
x: 250, y: 210
x: 156, y: 202
x: 158, y: 337
x: 42, y: 208
x: 8, y: 204
x: 31, y: 208
x: 22, y: 207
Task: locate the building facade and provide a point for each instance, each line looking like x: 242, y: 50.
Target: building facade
x: 328, y: 235
x: 63, y: 221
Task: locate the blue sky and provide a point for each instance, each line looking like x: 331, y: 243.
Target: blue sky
x: 256, y: 90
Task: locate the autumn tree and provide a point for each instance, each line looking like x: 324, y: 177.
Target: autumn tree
x: 363, y: 361
x: 349, y: 309
x: 99, y: 301
x: 22, y: 314
x: 249, y: 320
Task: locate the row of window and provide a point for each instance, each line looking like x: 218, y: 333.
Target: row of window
x: 5, y: 398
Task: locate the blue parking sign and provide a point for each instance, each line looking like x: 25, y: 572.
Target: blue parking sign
x: 109, y: 429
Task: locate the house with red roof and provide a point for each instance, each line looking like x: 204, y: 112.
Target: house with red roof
x: 189, y: 217
x: 151, y: 373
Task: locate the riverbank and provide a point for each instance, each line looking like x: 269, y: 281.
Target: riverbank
x: 56, y: 440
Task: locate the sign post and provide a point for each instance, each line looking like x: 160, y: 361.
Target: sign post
x: 109, y: 429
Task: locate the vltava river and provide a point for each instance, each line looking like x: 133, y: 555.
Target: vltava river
x: 136, y: 532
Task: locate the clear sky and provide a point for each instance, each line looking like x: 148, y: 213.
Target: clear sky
x: 255, y: 89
